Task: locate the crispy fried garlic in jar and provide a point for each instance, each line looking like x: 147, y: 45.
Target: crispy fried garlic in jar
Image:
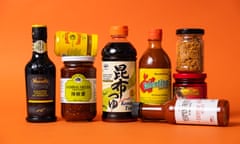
x: 189, y: 50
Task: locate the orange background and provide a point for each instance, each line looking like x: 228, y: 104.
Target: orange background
x: 220, y: 19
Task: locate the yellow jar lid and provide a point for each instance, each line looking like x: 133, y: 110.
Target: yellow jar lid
x: 75, y: 44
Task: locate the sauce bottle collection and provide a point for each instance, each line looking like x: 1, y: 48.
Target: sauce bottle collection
x: 184, y: 102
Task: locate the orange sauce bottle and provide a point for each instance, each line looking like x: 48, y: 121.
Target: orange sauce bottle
x: 154, y: 71
x: 186, y: 111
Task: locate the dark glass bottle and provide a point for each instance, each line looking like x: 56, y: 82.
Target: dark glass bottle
x: 118, y: 76
x: 40, y: 76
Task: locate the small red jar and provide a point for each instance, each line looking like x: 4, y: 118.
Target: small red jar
x: 190, y: 85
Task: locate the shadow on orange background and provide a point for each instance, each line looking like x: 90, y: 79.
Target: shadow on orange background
x: 220, y: 19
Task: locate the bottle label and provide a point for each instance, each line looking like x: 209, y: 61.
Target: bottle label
x: 190, y: 92
x: 118, y: 85
x: 78, y: 89
x: 40, y: 95
x: 196, y: 111
x: 39, y: 89
x: 155, y: 85
x: 39, y: 46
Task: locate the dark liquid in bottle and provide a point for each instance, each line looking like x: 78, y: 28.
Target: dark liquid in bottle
x: 118, y: 51
x: 40, y: 67
x: 40, y: 76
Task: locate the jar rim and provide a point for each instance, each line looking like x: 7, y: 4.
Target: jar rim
x: 189, y: 75
x: 77, y: 58
x: 190, y: 31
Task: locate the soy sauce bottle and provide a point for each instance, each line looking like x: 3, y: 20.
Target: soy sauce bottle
x: 118, y: 76
x: 40, y: 75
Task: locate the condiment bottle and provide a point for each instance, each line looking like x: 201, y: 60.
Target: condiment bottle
x: 40, y: 76
x: 190, y: 85
x: 189, y: 50
x: 78, y: 88
x: 118, y: 76
x: 154, y: 71
x: 186, y: 111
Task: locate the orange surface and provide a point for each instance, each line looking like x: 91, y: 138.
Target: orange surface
x: 220, y: 19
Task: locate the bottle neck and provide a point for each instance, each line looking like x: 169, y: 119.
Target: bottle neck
x: 152, y: 112
x: 39, y: 47
x: 154, y: 44
x: 36, y: 55
x: 118, y: 38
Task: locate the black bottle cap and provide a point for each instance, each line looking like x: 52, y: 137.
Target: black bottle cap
x: 190, y: 31
x: 39, y: 32
x: 135, y: 109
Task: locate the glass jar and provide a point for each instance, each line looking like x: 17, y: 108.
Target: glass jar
x: 78, y: 88
x: 190, y: 85
x: 189, y: 50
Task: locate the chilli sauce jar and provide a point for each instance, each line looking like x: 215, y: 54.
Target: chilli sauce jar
x: 78, y: 88
x: 190, y: 85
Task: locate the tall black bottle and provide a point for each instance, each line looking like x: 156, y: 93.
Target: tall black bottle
x: 40, y: 77
x: 118, y: 76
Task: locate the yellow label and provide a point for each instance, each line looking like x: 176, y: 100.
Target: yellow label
x: 75, y: 44
x: 40, y: 101
x: 155, y: 85
x: 118, y: 85
x: 78, y: 88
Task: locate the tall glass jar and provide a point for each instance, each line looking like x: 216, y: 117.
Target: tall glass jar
x: 189, y: 50
x: 78, y: 88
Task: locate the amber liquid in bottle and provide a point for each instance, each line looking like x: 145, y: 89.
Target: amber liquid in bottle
x: 154, y: 71
x: 119, y: 56
x: 40, y: 75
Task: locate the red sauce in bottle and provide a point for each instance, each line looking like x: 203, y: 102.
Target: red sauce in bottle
x: 186, y: 111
